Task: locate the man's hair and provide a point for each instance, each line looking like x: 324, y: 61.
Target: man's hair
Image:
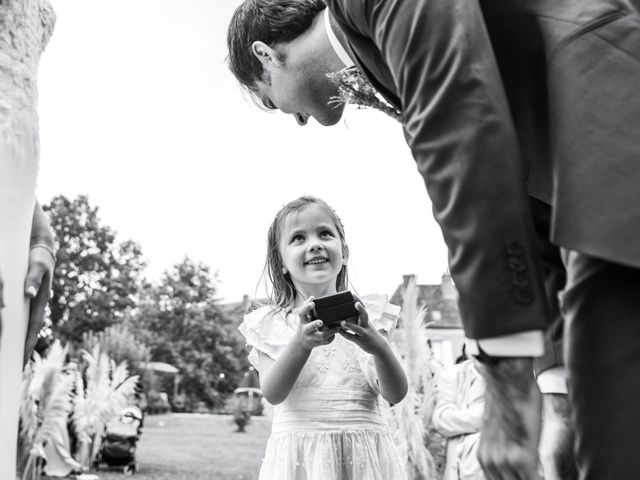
x: 268, y: 21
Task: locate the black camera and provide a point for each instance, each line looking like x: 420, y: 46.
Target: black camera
x: 335, y: 308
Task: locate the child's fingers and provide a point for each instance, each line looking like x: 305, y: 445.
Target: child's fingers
x: 352, y: 337
x: 327, y: 340
x: 364, y: 316
x: 355, y: 328
x: 304, y: 311
x: 326, y: 333
x: 312, y: 327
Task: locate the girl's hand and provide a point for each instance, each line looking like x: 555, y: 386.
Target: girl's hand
x: 308, y: 336
x: 363, y: 334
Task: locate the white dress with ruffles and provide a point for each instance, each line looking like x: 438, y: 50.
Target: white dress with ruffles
x: 330, y: 426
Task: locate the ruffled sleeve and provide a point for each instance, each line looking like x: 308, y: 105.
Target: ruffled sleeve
x: 382, y: 314
x: 267, y: 331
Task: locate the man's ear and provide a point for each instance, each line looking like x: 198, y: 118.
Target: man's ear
x: 267, y: 55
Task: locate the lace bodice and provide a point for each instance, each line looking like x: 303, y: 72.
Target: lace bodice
x: 339, y: 365
x: 25, y: 29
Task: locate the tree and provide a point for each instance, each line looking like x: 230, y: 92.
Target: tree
x: 184, y: 326
x: 96, y: 279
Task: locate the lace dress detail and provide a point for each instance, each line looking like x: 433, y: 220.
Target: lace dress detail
x: 25, y: 29
x: 330, y: 426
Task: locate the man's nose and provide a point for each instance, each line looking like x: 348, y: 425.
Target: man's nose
x: 301, y: 118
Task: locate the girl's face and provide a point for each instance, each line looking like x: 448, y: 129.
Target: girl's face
x: 311, y: 250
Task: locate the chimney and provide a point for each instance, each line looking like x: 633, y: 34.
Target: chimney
x: 447, y: 287
x: 407, y: 278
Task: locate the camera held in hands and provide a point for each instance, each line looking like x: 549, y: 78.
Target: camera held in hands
x: 335, y: 308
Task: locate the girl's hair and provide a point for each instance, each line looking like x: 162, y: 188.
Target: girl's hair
x: 283, y: 291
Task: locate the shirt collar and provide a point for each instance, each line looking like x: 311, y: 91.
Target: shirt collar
x: 337, y: 47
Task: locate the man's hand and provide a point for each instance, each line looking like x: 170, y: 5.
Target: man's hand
x: 556, y: 443
x: 37, y: 287
x: 508, y: 447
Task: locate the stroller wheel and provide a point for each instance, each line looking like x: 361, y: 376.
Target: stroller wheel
x: 130, y: 469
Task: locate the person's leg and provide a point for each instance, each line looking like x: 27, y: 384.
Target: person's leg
x: 556, y: 438
x: 602, y: 310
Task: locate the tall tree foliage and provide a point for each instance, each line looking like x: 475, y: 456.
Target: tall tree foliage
x: 182, y: 323
x: 96, y: 278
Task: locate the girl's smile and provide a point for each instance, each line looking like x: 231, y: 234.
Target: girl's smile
x: 312, y: 251
x: 317, y: 261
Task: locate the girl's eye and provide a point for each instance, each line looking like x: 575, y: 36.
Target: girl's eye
x: 297, y: 238
x: 326, y: 233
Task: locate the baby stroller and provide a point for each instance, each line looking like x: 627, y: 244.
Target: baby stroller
x: 118, y: 451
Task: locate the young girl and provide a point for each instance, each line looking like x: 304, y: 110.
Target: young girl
x: 324, y: 382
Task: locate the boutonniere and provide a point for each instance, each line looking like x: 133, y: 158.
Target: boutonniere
x: 355, y: 89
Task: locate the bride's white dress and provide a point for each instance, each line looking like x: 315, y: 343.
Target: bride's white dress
x: 25, y: 28
x: 330, y: 427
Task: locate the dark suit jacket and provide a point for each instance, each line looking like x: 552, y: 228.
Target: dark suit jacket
x: 501, y: 101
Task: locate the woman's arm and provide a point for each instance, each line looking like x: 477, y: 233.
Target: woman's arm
x: 37, y: 285
x: 41, y: 233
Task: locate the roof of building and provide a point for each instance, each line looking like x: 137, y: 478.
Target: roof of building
x: 440, y: 300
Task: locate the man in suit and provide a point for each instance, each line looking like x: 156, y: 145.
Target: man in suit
x: 524, y: 122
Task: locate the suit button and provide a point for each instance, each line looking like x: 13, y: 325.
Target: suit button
x: 513, y: 248
x: 524, y: 296
x: 520, y: 281
x: 516, y: 264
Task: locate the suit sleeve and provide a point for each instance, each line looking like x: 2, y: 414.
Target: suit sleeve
x: 459, y: 128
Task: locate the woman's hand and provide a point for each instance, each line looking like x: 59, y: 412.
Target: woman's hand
x: 37, y: 287
x: 363, y: 334
x: 309, y: 334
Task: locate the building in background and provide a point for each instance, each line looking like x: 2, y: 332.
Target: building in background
x: 444, y: 326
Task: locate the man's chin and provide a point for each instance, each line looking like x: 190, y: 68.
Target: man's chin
x: 331, y: 117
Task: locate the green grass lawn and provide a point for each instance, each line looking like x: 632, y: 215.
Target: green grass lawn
x: 197, y: 447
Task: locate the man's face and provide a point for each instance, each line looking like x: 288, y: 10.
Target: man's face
x: 302, y: 90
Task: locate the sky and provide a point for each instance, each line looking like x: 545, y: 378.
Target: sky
x: 139, y: 112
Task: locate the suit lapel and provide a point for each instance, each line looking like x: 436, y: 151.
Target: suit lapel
x: 368, y: 59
